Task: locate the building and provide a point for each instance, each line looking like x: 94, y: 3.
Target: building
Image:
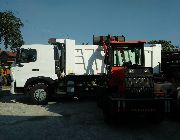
x: 7, y: 57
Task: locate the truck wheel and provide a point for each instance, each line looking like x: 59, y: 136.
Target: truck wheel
x: 39, y: 93
x: 155, y: 118
x: 99, y: 98
x: 108, y: 117
x: 109, y: 111
x: 178, y: 99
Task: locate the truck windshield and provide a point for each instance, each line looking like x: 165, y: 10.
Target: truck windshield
x: 127, y: 55
x: 26, y: 55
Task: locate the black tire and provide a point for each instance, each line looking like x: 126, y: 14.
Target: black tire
x: 156, y: 117
x: 109, y: 111
x: 178, y: 100
x: 176, y: 107
x: 101, y: 95
x: 99, y: 98
x: 39, y: 94
x: 109, y: 117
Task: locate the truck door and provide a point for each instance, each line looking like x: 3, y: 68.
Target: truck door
x: 26, y: 66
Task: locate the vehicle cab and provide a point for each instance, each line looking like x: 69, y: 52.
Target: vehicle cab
x: 32, y: 62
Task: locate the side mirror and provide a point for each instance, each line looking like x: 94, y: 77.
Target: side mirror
x: 20, y: 65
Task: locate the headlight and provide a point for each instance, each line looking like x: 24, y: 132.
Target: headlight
x: 12, y: 74
x: 131, y: 70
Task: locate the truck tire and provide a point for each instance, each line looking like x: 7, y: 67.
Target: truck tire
x: 178, y: 99
x: 108, y: 117
x: 109, y: 111
x: 155, y: 118
x: 99, y: 97
x: 39, y: 94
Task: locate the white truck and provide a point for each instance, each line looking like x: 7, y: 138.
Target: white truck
x: 65, y: 68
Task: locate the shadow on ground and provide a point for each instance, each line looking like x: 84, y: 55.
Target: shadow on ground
x: 74, y: 119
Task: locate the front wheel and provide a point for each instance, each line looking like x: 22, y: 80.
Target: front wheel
x: 156, y: 117
x: 109, y: 108
x: 39, y: 94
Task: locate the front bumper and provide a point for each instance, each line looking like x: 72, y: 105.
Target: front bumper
x: 143, y: 105
x: 16, y: 90
x: 12, y: 88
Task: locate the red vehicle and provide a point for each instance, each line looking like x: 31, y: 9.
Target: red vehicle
x: 129, y: 88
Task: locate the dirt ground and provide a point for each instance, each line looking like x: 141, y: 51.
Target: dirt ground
x: 73, y: 119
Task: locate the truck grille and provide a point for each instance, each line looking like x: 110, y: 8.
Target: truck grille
x: 139, y: 86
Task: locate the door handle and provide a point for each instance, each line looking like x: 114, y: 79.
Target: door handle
x: 35, y: 69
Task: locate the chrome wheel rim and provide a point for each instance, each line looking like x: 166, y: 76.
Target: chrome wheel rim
x: 40, y: 94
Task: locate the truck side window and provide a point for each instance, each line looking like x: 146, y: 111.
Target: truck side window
x: 32, y: 55
x: 28, y: 55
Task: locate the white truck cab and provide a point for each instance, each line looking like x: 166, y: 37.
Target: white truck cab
x: 34, y: 61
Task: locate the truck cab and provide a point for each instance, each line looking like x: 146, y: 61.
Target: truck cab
x: 128, y: 74
x: 33, y: 63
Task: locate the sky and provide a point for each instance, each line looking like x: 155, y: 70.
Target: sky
x: 81, y: 19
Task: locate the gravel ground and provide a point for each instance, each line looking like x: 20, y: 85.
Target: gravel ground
x: 73, y: 119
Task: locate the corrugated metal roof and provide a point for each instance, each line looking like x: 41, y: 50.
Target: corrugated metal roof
x: 9, y: 53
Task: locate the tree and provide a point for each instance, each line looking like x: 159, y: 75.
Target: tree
x: 10, y: 32
x: 166, y: 45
